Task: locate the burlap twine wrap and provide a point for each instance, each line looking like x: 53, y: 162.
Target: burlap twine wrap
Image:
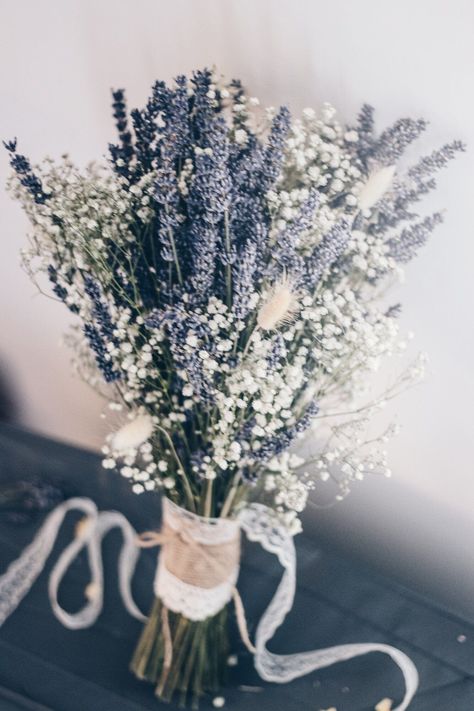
x: 198, y: 566
x: 195, y: 563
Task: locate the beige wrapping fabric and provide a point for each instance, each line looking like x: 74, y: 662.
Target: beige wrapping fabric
x: 198, y: 563
x: 195, y: 563
x: 201, y: 555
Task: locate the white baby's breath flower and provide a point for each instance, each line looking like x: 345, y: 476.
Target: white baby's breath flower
x: 376, y: 187
x: 133, y: 433
x: 241, y: 136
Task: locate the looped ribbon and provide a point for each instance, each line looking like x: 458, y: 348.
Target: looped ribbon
x: 254, y: 520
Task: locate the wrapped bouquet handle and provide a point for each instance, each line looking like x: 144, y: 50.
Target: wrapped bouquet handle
x: 259, y: 527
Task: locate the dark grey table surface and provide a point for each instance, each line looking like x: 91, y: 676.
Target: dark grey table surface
x: 44, y: 666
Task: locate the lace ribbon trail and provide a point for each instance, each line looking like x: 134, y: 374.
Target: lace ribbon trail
x: 258, y: 525
x: 22, y: 572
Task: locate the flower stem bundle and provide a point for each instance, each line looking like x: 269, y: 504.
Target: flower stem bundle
x: 200, y: 663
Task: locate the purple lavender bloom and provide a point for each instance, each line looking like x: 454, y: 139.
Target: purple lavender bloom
x: 326, y: 253
x: 394, y: 311
x: 390, y: 145
x: 100, y: 310
x: 249, y: 217
x: 437, y: 160
x: 177, y: 132
x: 285, y: 253
x: 406, y: 245
x: 254, y: 169
x: 276, y: 444
x: 394, y: 140
x: 273, y: 152
x: 59, y: 290
x: 97, y: 343
x: 208, y: 202
x: 202, y: 108
x: 365, y: 132
x: 244, y: 270
x: 168, y: 221
x: 277, y: 351
x: 146, y: 129
x: 122, y: 153
x: 406, y: 192
x: 179, y: 324
x: 22, y: 167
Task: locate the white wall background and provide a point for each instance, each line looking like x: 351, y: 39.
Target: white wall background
x: 58, y: 60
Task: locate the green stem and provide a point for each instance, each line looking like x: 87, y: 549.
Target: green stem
x: 175, y: 254
x: 208, y: 501
x: 200, y: 650
x: 228, y: 265
x: 181, y: 470
x: 230, y: 496
x: 247, y: 345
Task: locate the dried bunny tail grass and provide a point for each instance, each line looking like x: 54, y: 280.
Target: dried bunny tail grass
x: 376, y: 186
x: 279, y: 307
x: 133, y: 433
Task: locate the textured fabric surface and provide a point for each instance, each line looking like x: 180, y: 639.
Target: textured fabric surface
x: 45, y: 666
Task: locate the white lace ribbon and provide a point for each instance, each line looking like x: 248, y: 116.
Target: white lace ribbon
x: 258, y: 524
x: 22, y: 572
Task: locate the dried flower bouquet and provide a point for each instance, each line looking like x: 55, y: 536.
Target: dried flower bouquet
x: 226, y: 268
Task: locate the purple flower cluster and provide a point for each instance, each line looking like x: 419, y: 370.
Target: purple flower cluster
x: 122, y: 153
x: 22, y: 167
x: 326, y: 253
x: 100, y: 331
x: 102, y: 357
x: 209, y: 203
x: 386, y: 149
x: 217, y: 233
x: 282, y: 441
x: 405, y: 246
x: 287, y: 252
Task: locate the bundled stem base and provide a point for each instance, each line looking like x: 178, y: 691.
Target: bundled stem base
x: 198, y: 661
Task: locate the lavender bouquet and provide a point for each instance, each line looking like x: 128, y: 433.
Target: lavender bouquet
x: 227, y: 271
